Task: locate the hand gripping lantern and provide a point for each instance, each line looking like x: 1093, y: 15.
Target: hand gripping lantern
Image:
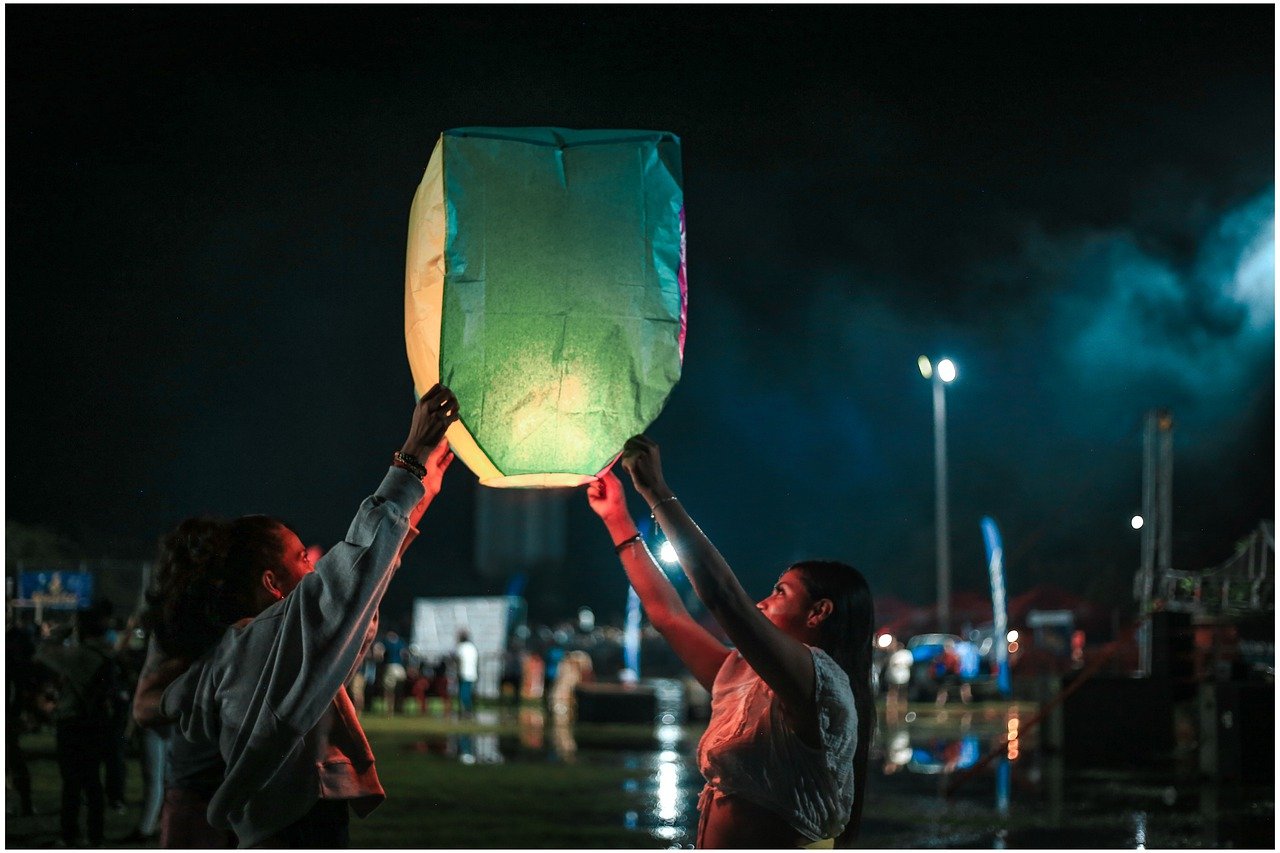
x: 545, y: 284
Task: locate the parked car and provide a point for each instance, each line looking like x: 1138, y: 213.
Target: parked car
x: 924, y: 649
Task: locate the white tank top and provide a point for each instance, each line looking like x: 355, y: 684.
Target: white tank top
x: 750, y: 749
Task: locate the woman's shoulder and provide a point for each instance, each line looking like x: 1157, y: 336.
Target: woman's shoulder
x: 837, y: 709
x: 831, y: 681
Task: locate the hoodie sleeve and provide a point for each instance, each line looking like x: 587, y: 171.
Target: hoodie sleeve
x: 322, y: 625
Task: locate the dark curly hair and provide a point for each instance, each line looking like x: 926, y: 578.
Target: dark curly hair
x: 205, y: 575
x: 846, y: 636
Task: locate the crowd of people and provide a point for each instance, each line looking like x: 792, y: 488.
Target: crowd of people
x: 77, y: 675
x: 258, y: 663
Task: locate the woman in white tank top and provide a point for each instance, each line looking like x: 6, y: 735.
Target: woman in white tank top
x: 785, y: 753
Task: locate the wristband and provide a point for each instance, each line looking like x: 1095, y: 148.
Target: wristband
x: 625, y: 542
x: 410, y: 464
x: 661, y: 502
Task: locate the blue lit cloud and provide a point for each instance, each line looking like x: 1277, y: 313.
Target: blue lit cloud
x: 1128, y: 317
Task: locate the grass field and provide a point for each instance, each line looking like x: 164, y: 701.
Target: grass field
x: 539, y: 796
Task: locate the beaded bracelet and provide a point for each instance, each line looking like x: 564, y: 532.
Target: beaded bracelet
x: 625, y: 542
x: 410, y: 463
x: 661, y: 502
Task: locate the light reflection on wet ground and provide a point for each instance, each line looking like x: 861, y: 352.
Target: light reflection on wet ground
x: 964, y: 778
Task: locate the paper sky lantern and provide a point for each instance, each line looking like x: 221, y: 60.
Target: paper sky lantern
x: 545, y: 285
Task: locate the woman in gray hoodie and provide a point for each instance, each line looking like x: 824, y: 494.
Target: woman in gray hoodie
x: 269, y: 694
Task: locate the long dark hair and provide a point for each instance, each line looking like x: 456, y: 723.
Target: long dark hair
x: 205, y: 575
x: 846, y: 636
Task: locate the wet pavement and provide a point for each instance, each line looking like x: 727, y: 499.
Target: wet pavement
x: 969, y: 777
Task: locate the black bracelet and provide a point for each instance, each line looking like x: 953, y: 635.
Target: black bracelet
x: 625, y: 542
x: 410, y: 464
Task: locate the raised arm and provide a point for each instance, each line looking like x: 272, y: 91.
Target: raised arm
x: 784, y: 663
x: 436, y: 463
x: 326, y: 624
x: 701, y: 653
x: 313, y: 636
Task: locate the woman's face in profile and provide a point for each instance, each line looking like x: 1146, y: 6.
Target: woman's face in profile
x: 787, y: 607
x: 295, y: 562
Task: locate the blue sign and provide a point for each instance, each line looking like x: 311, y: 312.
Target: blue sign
x: 56, y: 590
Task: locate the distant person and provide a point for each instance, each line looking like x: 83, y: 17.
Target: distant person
x: 393, y: 678
x: 574, y: 669
x: 374, y: 662
x: 897, y: 675
x: 121, y: 732
x: 946, y: 671
x: 88, y: 681
x: 269, y: 692
x: 20, y: 688
x: 395, y: 647
x: 512, y: 672
x: 468, y: 673
x: 551, y: 659
x: 356, y: 684
x: 785, y: 752
x: 968, y: 662
x: 439, y: 686
x: 417, y: 682
x: 533, y: 676
x: 153, y: 741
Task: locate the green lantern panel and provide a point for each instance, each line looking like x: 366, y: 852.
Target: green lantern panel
x: 545, y: 284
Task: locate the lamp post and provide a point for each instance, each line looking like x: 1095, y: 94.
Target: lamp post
x: 945, y: 373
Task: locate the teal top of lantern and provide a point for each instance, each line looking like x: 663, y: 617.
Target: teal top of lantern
x: 563, y: 312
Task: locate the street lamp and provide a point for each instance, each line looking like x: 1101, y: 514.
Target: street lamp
x: 945, y: 373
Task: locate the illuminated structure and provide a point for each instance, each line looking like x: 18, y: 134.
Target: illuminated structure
x: 545, y: 284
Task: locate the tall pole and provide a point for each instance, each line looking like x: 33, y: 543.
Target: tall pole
x: 1164, y: 495
x: 1147, y: 567
x: 940, y: 508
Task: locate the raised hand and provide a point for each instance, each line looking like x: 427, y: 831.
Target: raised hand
x: 606, y: 498
x: 431, y: 418
x: 642, y: 461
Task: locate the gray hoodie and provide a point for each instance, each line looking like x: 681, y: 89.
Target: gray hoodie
x: 271, y: 695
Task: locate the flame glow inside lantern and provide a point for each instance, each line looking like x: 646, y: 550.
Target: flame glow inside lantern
x: 545, y: 284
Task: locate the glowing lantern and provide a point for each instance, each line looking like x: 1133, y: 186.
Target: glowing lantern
x: 545, y: 285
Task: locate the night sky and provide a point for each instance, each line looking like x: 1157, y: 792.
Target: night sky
x: 206, y: 221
